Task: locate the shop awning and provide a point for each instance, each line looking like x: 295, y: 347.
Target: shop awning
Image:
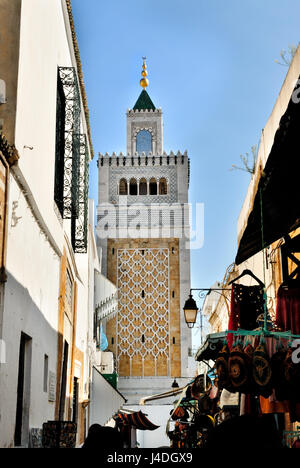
x: 209, y: 350
x: 277, y: 199
x: 137, y: 420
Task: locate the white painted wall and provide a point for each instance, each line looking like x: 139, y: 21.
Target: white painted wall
x: 32, y: 289
x: 30, y: 305
x: 158, y: 415
x: 105, y: 400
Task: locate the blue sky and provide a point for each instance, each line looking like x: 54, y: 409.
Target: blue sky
x: 212, y: 71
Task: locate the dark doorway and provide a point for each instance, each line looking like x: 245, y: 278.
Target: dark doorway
x: 63, y: 387
x: 23, y: 392
x: 75, y: 399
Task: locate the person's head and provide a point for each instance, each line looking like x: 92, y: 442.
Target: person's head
x: 103, y: 437
x: 94, y: 436
x: 111, y: 437
x: 95, y: 429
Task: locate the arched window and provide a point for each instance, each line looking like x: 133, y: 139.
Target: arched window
x: 123, y: 189
x: 143, y: 187
x: 163, y: 186
x: 144, y: 142
x: 153, y: 186
x: 133, y: 187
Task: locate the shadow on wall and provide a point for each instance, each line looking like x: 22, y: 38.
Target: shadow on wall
x: 30, y: 367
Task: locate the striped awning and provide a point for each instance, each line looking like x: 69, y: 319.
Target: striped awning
x: 137, y: 420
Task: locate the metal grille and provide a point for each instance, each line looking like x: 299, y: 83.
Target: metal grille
x: 80, y: 223
x: 59, y: 146
x: 70, y: 202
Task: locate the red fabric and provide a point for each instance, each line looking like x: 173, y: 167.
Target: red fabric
x: 296, y: 444
x: 233, y: 322
x: 288, y: 309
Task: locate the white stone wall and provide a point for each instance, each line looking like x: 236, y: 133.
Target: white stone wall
x: 105, y: 401
x: 36, y: 234
x: 30, y: 306
x: 157, y: 414
x: 144, y: 119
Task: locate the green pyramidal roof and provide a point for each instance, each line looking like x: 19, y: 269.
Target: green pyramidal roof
x: 144, y: 102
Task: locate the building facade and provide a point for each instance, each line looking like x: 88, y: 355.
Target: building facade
x: 143, y: 229
x: 48, y: 256
x: 268, y: 225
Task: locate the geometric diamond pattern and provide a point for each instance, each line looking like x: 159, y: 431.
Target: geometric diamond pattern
x: 143, y: 309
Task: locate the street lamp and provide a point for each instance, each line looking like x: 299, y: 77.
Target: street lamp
x: 190, y: 310
x: 190, y: 307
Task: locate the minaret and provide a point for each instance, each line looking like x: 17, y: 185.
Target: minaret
x: 144, y: 123
x: 142, y: 224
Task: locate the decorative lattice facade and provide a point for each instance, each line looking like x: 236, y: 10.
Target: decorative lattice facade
x: 145, y: 334
x: 143, y: 315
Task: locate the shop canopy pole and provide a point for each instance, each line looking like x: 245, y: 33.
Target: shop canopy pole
x: 262, y: 332
x: 263, y: 252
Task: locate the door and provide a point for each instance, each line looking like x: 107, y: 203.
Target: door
x: 23, y: 392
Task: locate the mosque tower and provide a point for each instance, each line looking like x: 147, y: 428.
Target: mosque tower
x: 142, y: 232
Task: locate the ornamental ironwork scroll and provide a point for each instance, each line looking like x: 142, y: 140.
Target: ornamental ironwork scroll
x: 80, y: 223
x: 68, y: 78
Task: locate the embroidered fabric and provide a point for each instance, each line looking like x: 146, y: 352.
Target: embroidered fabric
x: 247, y: 303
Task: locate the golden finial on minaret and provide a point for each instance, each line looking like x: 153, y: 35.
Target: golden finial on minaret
x: 144, y: 82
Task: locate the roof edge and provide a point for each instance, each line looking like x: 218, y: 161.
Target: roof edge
x: 79, y: 70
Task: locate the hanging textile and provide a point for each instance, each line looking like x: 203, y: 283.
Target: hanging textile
x: 262, y: 371
x: 247, y: 304
x: 239, y: 367
x: 270, y: 405
x: 103, y: 340
x: 288, y: 307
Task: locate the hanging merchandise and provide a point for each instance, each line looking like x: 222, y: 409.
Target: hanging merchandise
x: 221, y: 366
x: 179, y: 413
x: 292, y: 438
x: 280, y: 384
x: 103, y: 340
x: 262, y: 372
x: 239, y: 367
x: 288, y: 306
x: 277, y: 402
x: 292, y: 376
x: 228, y: 399
x: 201, y: 385
x: 247, y: 305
